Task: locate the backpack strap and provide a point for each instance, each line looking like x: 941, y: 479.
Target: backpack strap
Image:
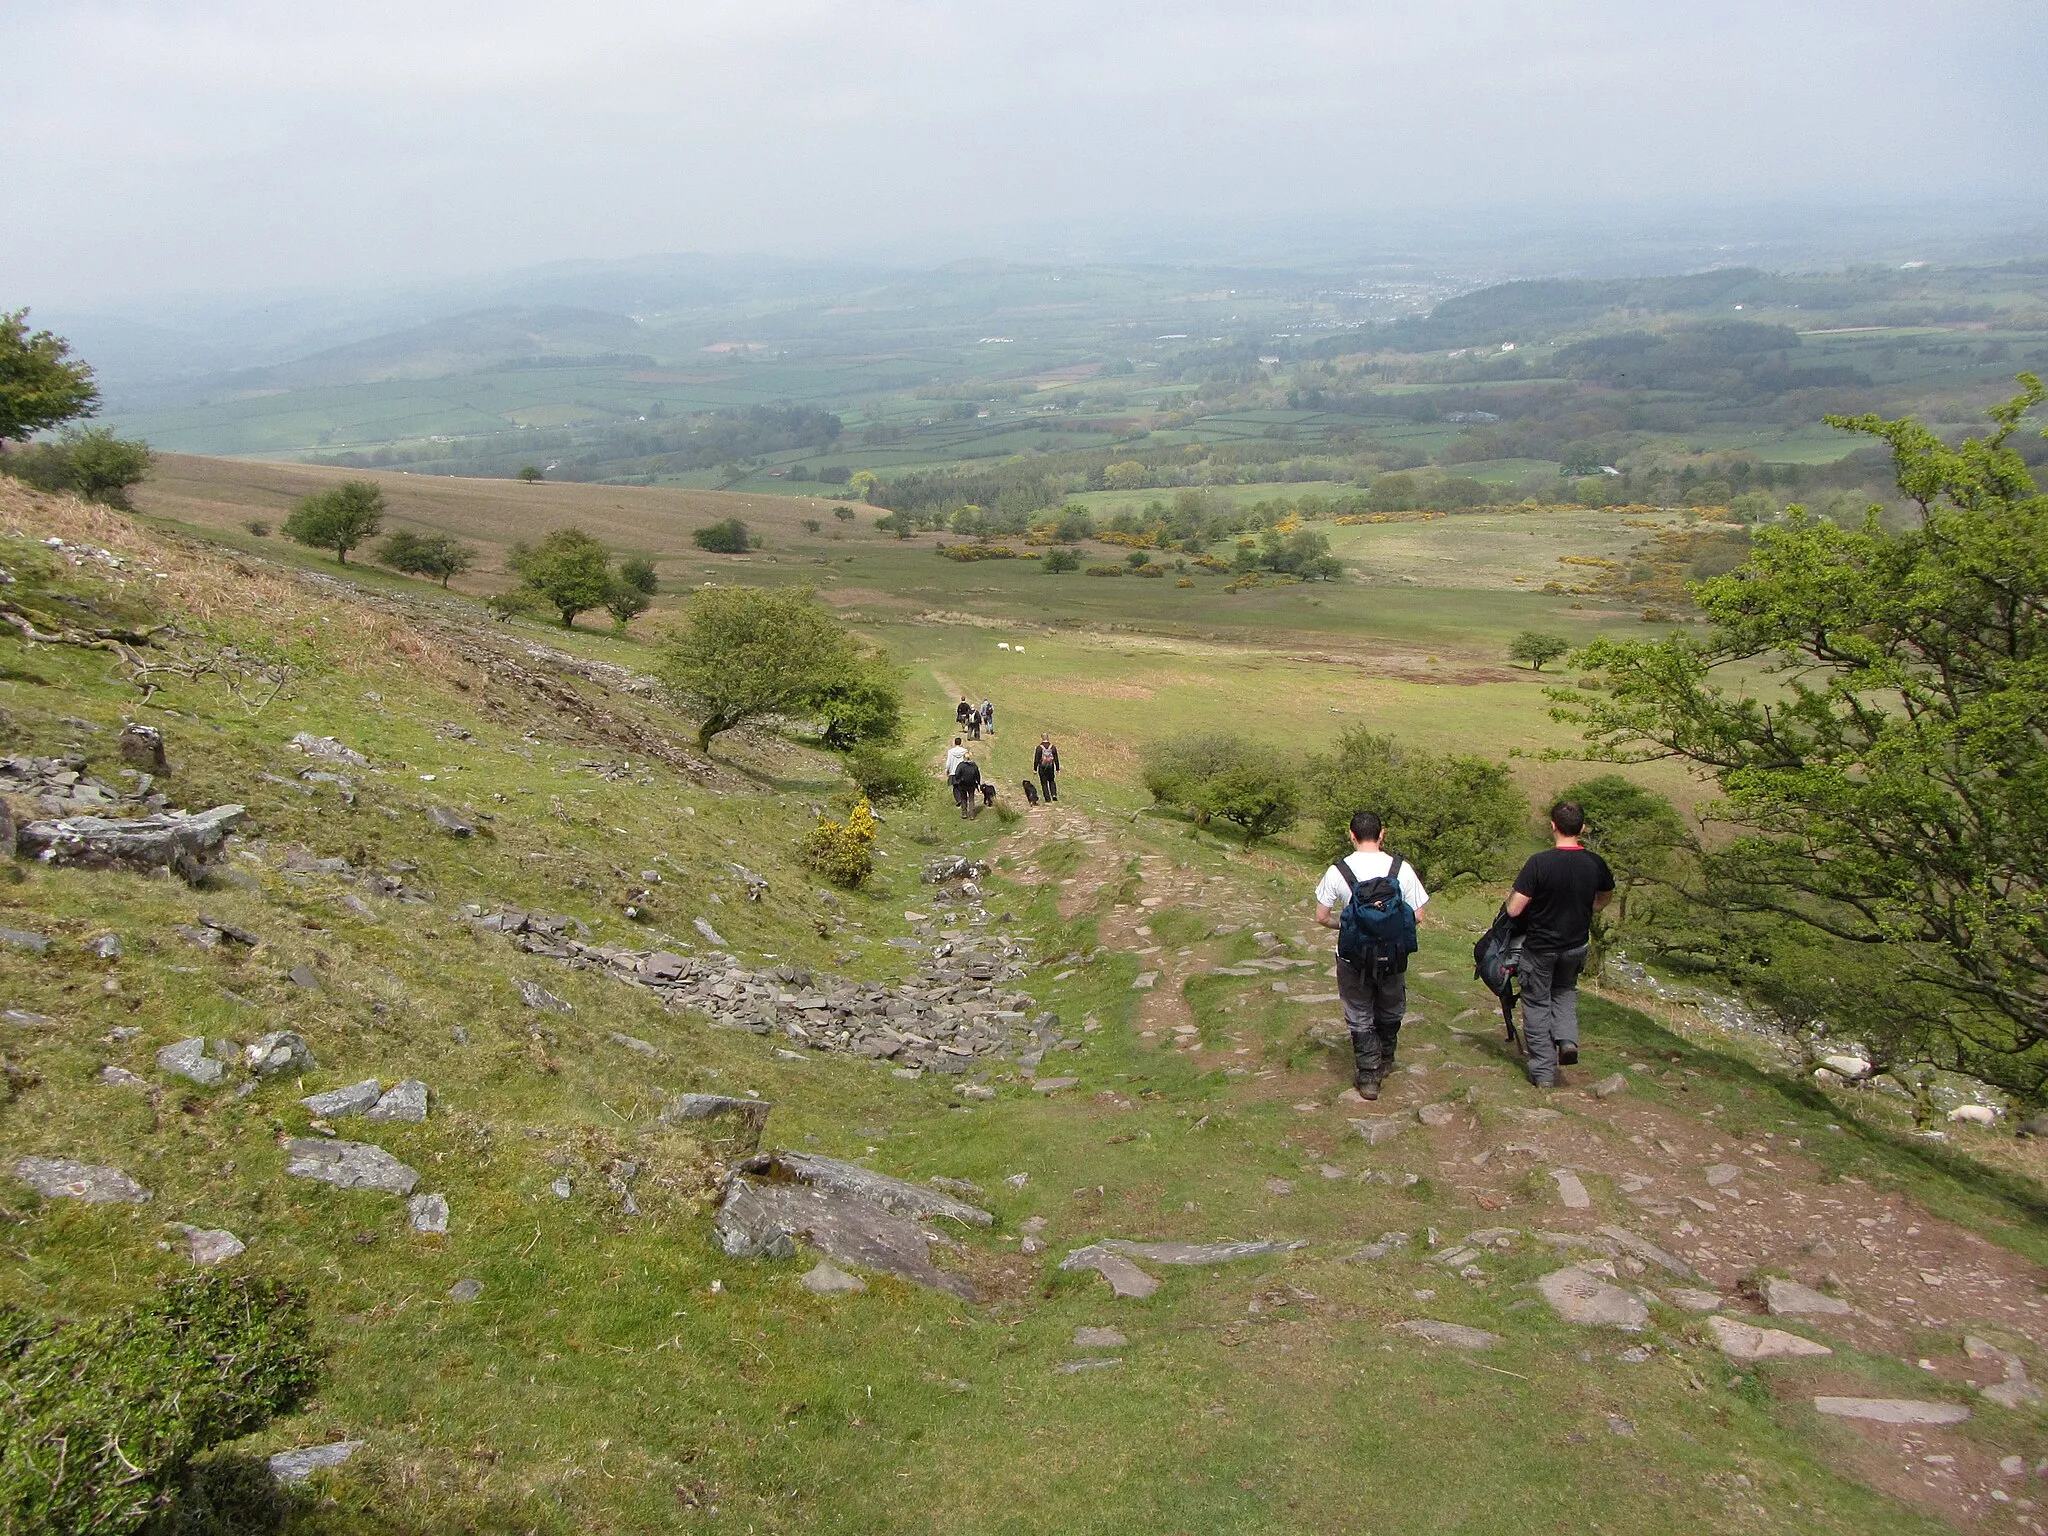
x: 1344, y: 873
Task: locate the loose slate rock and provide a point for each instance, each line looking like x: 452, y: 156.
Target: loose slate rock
x: 1200, y: 1253
x: 1608, y: 1087
x: 1076, y: 1367
x: 465, y: 1290
x: 59, y: 1178
x: 825, y: 1279
x: 1579, y: 1296
x: 891, y: 1194
x: 338, y: 1102
x: 207, y: 1246
x: 1891, y: 1410
x: 297, y: 1466
x: 1571, y: 1190
x: 428, y: 1213
x: 281, y: 1051
x: 1721, y: 1175
x: 1125, y: 1278
x: 1098, y: 1338
x: 737, y: 1123
x: 1380, y: 1128
x: 1746, y: 1344
x: 708, y: 933
x: 1436, y: 1114
x: 1788, y: 1298
x: 767, y: 1220
x: 406, y: 1101
x: 445, y: 820
x: 536, y: 996
x: 1648, y: 1252
x: 1457, y: 1335
x: 1053, y: 1084
x: 184, y: 844
x: 1386, y: 1246
x: 188, y: 1059
x: 121, y: 1077
x: 1690, y: 1300
x: 349, y: 1165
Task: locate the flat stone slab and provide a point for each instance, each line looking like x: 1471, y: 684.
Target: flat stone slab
x: 767, y: 1219
x: 59, y: 1178
x: 1788, y: 1298
x: 1377, y: 1129
x: 349, y: 1165
x: 1098, y: 1338
x: 1571, y: 1190
x: 17, y: 938
x: 1457, y: 1335
x: 1076, y: 1367
x: 1721, y: 1175
x: 830, y: 1280
x: 337, y: 1102
x: 189, y: 1059
x: 184, y: 844
x: 1748, y: 1344
x: 1199, y: 1253
x: 1054, y: 1084
x: 1125, y: 1278
x: 738, y: 1123
x: 1436, y: 1114
x: 297, y: 1466
x: 1690, y: 1300
x: 1891, y: 1410
x: 1648, y: 1252
x: 891, y: 1194
x: 1579, y: 1296
x: 1383, y: 1247
x: 403, y: 1101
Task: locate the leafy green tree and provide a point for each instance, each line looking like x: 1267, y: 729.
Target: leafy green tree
x: 1648, y: 846
x: 1888, y: 777
x: 340, y: 519
x: 531, y: 473
x: 104, y: 1417
x: 812, y: 525
x: 862, y: 703
x: 1534, y: 648
x: 104, y: 466
x: 1217, y: 776
x: 844, y: 514
x: 433, y: 555
x: 1059, y: 560
x: 520, y: 602
x: 729, y: 537
x: 744, y: 653
x: 888, y: 777
x: 637, y: 572
x: 568, y: 570
x: 1451, y: 816
x: 625, y: 603
x: 40, y: 386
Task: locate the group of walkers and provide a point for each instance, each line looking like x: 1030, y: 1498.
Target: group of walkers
x: 972, y: 789
x: 1373, y: 899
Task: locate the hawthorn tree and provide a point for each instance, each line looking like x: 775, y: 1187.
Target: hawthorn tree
x: 1870, y: 704
x: 742, y: 653
x: 341, y: 519
x: 568, y: 570
x: 1536, y: 648
x: 433, y: 555
x: 41, y: 386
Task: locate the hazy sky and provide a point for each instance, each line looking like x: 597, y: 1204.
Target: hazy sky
x: 164, y: 144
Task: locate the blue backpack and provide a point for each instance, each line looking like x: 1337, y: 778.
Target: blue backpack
x: 1376, y: 929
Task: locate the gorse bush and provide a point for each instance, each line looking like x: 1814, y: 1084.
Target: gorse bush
x: 843, y: 852
x: 99, y: 1421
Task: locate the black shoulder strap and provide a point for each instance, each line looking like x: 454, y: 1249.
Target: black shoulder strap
x: 1344, y: 873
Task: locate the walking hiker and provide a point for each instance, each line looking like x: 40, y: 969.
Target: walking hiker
x: 1372, y: 898
x: 988, y: 717
x: 1045, y: 762
x: 1554, y: 898
x: 965, y: 779
x: 961, y: 713
x: 953, y: 755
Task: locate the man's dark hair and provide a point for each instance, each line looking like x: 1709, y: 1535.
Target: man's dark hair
x: 1567, y: 816
x: 956, y: 741
x: 1365, y: 826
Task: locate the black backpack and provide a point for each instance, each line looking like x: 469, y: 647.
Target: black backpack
x: 1494, y: 961
x: 1377, y: 928
x: 967, y: 776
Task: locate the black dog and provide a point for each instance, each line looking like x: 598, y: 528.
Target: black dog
x: 1031, y: 792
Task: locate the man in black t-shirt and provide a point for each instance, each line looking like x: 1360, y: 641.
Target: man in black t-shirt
x: 1553, y: 903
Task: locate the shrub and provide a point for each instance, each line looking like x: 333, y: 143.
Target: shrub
x: 1536, y: 648
x: 436, y: 556
x: 1185, y: 581
x: 1450, y: 816
x: 341, y: 519
x: 1219, y: 776
x: 1059, y: 561
x: 104, y: 1417
x: 1105, y: 570
x: 95, y: 465
x: 257, y: 526
x: 977, y: 552
x: 843, y: 852
x: 729, y: 537
x: 887, y: 777
x: 1150, y: 570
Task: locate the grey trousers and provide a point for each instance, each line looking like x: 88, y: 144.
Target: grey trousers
x: 1548, y: 980
x: 1372, y: 1012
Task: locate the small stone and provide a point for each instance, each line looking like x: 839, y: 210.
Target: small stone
x: 1436, y: 1114
x: 1053, y: 1084
x: 1098, y: 1338
x: 280, y: 1051
x: 15, y: 938
x: 563, y: 1188
x: 304, y: 976
x: 349, y: 1165
x: 1608, y: 1087
x: 297, y: 1466
x: 1279, y: 1187
x: 207, y: 1246
x: 336, y: 1103
x: 1788, y: 1298
x: 1145, y: 981
x: 121, y: 1077
x: 1457, y: 1335
x: 1620, y: 1427
x: 445, y: 820
x: 106, y: 947
x: 1635, y: 1356
x: 1579, y: 1296
x: 428, y: 1213
x: 1125, y: 1278
x: 536, y: 996
x: 405, y: 1100
x: 1891, y: 1410
x: 1746, y: 1344
x: 1721, y: 1175
x: 634, y: 1044
x: 707, y: 932
x: 1076, y: 1367
x: 2012, y: 1466
x: 1378, y: 1129
x: 465, y: 1290
x: 1571, y: 1190
x: 188, y: 1059
x: 1690, y: 1300
x: 979, y: 1091
x: 1385, y: 1246
x: 59, y: 1178
x: 830, y: 1280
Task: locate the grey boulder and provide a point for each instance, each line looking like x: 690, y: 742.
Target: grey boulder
x: 1457, y: 1335
x: 1125, y: 1278
x: 280, y: 1051
x: 762, y: 1219
x: 1788, y: 1298
x: 352, y: 1100
x: 187, y: 845
x: 428, y: 1213
x: 59, y: 1178
x: 297, y: 1466
x: 349, y: 1165
x: 856, y: 1182
x: 207, y: 1246
x: 736, y: 1124
x: 1579, y: 1296
x: 1747, y: 1344
x: 188, y: 1059
x: 406, y: 1101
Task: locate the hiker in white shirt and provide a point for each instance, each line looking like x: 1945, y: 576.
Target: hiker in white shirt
x: 1373, y: 1004
x: 953, y: 755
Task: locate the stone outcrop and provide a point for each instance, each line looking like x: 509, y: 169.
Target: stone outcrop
x: 349, y: 1165
x: 186, y: 845
x: 59, y: 1178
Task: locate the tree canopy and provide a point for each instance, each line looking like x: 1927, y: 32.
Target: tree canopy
x: 1888, y: 776
x: 1535, y: 648
x: 729, y: 537
x: 341, y: 519
x: 742, y: 653
x: 568, y: 570
x: 41, y: 385
x: 1217, y: 776
x: 1448, y: 815
x: 434, y: 555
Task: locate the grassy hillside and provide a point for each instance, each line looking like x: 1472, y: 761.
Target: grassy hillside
x: 618, y: 1372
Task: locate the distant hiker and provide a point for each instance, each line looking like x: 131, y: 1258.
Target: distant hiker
x: 988, y: 717
x: 1030, y: 791
x: 1555, y: 897
x: 965, y: 779
x: 1372, y: 899
x: 953, y: 755
x: 961, y: 714
x: 1045, y: 762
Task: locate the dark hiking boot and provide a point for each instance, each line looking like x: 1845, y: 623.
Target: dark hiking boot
x: 1368, y: 1084
x: 1536, y: 1080
x: 1567, y: 1055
